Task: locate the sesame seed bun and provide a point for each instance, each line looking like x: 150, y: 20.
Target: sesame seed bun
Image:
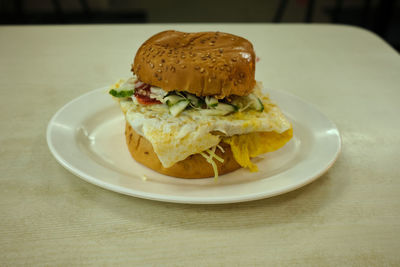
x: 204, y: 63
x: 194, y: 166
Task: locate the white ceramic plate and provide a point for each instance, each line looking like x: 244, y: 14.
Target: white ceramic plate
x: 86, y: 136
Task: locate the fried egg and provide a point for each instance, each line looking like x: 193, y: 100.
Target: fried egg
x: 194, y: 131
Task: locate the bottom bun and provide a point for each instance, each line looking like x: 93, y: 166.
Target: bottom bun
x: 194, y: 166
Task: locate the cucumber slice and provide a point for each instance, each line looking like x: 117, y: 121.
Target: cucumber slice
x: 211, y: 101
x: 172, y: 99
x: 238, y: 102
x: 220, y: 110
x: 178, y: 107
x: 226, y: 108
x: 256, y: 103
x: 195, y: 101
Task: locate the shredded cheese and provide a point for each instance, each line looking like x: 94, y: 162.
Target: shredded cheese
x: 210, y: 159
x: 221, y: 148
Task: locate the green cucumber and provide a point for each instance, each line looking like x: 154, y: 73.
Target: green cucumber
x: 226, y: 108
x: 178, y: 107
x: 238, y: 102
x: 211, y: 101
x: 194, y: 101
x: 172, y: 99
x: 256, y: 103
x: 221, y: 110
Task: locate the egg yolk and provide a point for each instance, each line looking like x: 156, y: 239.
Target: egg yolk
x: 251, y: 145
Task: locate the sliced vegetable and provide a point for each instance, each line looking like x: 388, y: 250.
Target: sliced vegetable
x: 178, y: 107
x: 179, y: 101
x: 194, y: 100
x: 211, y: 101
x: 220, y: 110
x: 121, y: 94
x: 240, y: 102
x: 172, y: 99
x: 256, y: 103
x: 228, y: 108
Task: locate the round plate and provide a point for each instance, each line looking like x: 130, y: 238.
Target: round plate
x: 86, y: 136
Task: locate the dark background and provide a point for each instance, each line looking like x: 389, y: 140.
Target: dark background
x: 379, y: 16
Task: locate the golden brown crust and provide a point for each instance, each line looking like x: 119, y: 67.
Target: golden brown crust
x: 195, y: 166
x: 204, y: 63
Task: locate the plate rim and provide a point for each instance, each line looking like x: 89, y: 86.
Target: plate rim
x: 184, y: 199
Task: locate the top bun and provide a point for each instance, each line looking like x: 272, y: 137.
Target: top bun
x: 204, y: 63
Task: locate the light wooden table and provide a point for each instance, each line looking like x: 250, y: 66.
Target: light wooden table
x: 350, y: 216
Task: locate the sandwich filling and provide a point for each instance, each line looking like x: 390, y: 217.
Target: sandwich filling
x: 179, y: 124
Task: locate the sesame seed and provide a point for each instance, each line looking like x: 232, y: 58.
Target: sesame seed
x: 183, y: 66
x: 209, y: 80
x: 233, y: 59
x: 202, y: 70
x: 160, y: 64
x: 221, y: 50
x: 172, y: 68
x: 159, y: 70
x: 151, y: 65
x: 197, y: 68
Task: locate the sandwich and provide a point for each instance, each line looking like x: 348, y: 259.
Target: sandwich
x: 193, y: 108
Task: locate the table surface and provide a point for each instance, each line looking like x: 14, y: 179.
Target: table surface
x: 349, y: 216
